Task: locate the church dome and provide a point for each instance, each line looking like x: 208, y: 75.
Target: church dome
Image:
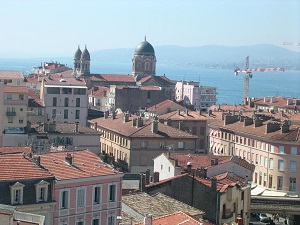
x: 85, y: 54
x: 77, y: 54
x: 144, y: 48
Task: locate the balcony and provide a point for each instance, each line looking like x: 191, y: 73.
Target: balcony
x: 10, y: 113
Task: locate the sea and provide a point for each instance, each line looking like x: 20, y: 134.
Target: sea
x: 229, y: 87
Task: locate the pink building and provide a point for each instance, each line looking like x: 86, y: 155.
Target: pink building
x: 87, y: 191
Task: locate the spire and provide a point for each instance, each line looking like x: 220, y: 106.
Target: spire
x: 145, y: 38
x: 85, y: 46
x: 78, y: 46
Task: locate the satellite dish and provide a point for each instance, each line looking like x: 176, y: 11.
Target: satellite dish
x: 119, y: 111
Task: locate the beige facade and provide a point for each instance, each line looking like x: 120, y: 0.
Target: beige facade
x: 11, y: 77
x: 1, y: 111
x: 134, y: 143
x: 272, y: 147
x: 15, y: 109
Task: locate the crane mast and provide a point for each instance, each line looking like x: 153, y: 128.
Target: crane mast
x: 248, y: 74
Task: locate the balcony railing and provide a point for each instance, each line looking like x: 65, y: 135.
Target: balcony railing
x: 10, y: 113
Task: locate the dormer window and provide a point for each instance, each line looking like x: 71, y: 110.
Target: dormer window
x: 16, y: 193
x: 41, y: 189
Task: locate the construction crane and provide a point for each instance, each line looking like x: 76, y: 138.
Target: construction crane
x: 248, y: 75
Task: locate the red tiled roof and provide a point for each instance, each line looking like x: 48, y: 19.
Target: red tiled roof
x: 125, y: 128
x: 85, y: 164
x: 19, y: 167
x: 63, y: 81
x: 10, y: 74
x: 160, y: 105
x: 15, y: 89
x: 113, y: 77
x: 182, y: 115
x: 176, y: 218
x: 276, y: 101
x: 98, y: 91
x: 14, y: 149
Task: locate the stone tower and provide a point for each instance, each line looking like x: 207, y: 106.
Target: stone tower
x: 144, y: 61
x: 81, y: 63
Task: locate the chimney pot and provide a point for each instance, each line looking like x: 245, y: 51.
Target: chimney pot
x: 69, y: 158
x: 156, y: 177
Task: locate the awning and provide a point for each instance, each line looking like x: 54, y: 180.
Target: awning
x: 273, y: 193
x: 257, y: 190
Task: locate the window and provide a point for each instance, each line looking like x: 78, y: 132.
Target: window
x: 270, y: 181
x: 53, y: 113
x: 10, y: 119
x: 293, y: 166
x: 279, y: 183
x: 271, y: 164
x: 265, y: 179
x: 21, y: 120
x: 79, y: 91
x: 292, y: 184
x: 79, y: 223
x: 112, y: 193
x: 77, y: 114
x: 66, y: 102
x: 53, y: 90
x: 95, y: 222
x: 41, y: 189
x: 144, y: 144
x: 77, y: 102
x: 66, y: 114
x: 162, y: 144
x: 9, y: 96
x: 80, y: 197
x: 111, y: 220
x: 67, y: 90
x: 40, y: 112
x: 16, y: 193
x: 97, y: 195
x: 64, y: 199
x: 272, y: 149
x: 54, y: 101
x: 280, y: 165
x: 181, y: 145
x: 266, y: 162
x: 21, y: 97
x: 281, y: 149
x: 293, y: 150
x: 261, y: 160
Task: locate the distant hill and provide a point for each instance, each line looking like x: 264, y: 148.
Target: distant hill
x: 211, y: 56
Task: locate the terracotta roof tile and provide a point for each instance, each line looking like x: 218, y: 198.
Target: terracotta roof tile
x: 176, y: 218
x: 125, y: 128
x: 14, y: 149
x: 63, y: 81
x: 160, y: 105
x: 85, y: 164
x: 277, y: 101
x: 182, y: 115
x: 113, y: 77
x: 98, y: 91
x: 10, y: 74
x: 19, y: 167
x: 15, y: 89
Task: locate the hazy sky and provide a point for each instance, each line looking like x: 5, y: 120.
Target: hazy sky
x: 36, y: 28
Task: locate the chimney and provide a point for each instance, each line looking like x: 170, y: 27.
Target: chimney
x: 187, y: 112
x: 147, y: 176
x: 168, y: 110
x: 178, y: 111
x: 181, y: 125
x: 271, y: 127
x: 148, y: 219
x: 105, y: 114
x: 189, y: 167
x: 247, y: 121
x: 285, y: 127
x: 212, y: 162
x: 289, y: 101
x: 216, y: 161
x: 134, y: 122
x: 113, y: 115
x: 176, y: 162
x: 214, y: 183
x: 168, y: 122
x: 46, y: 127
x: 257, y: 122
x: 142, y: 182
x: 52, y: 127
x: 95, y: 125
x: 209, y: 112
x: 156, y: 177
x: 139, y: 122
x: 76, y: 127
x: 154, y: 126
x: 37, y: 160
x: 126, y: 118
x: 229, y: 119
x: 69, y: 158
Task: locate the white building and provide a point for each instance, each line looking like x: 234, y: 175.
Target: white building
x: 65, y: 99
x: 195, y: 96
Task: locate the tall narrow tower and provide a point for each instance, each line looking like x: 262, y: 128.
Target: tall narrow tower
x: 85, y: 62
x: 77, y: 57
x: 144, y: 61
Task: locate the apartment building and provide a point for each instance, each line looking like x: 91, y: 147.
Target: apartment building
x: 276, y: 104
x: 26, y: 185
x: 11, y: 77
x: 194, y: 95
x: 15, y: 109
x: 98, y: 98
x: 133, y: 142
x: 65, y: 99
x: 272, y: 145
x: 86, y: 191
